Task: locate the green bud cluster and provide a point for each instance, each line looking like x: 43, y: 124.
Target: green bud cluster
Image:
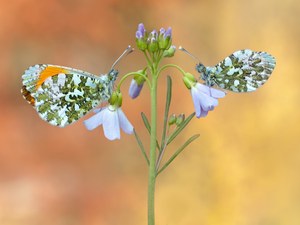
x: 154, y: 41
x: 173, y: 119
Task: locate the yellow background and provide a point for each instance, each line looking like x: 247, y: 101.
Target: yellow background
x: 244, y: 168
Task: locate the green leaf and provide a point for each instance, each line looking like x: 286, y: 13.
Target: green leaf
x: 180, y: 128
x: 148, y: 127
x: 146, y: 122
x: 190, y: 140
x: 141, y: 146
x: 167, y: 108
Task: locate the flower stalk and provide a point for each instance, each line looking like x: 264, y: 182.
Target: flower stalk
x: 152, y: 156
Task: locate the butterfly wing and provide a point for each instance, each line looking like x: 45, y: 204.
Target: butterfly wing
x: 243, y: 71
x: 62, y: 95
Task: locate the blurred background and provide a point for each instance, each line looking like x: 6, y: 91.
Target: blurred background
x: 244, y: 168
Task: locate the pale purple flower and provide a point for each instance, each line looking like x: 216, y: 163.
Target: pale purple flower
x: 140, y: 33
x: 135, y: 89
x: 205, y: 98
x: 168, y: 33
x: 112, y: 119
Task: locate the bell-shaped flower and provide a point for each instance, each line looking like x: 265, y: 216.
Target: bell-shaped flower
x: 136, y: 84
x: 205, y: 98
x: 135, y: 89
x: 111, y: 118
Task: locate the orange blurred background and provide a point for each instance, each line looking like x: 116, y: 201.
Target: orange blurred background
x: 244, y: 168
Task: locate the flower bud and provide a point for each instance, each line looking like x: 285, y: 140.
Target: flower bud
x: 152, y: 41
x: 189, y: 80
x: 172, y: 119
x: 140, y: 35
x: 136, y: 84
x: 170, y: 52
x: 165, y: 37
x: 180, y: 119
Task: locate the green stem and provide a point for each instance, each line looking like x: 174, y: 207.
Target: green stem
x: 132, y: 74
x: 171, y: 65
x: 152, y: 156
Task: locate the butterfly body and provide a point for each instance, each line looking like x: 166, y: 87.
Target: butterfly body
x: 61, y: 95
x: 242, y: 71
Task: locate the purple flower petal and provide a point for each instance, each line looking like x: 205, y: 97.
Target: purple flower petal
x: 141, y: 28
x: 203, y: 88
x: 134, y: 89
x: 138, y: 35
x: 217, y: 93
x: 203, y: 113
x: 162, y: 31
x: 168, y: 33
x: 124, y: 122
x: 207, y: 103
x: 196, y: 101
x: 205, y: 99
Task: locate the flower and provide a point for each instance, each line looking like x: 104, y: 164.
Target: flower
x: 137, y: 83
x: 112, y: 118
x: 140, y: 33
x: 205, y: 98
x: 135, y: 89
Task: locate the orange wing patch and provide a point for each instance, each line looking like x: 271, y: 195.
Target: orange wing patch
x: 27, y: 95
x: 49, y: 71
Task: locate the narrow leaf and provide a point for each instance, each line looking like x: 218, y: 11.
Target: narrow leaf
x: 180, y: 128
x: 167, y: 108
x: 146, y: 122
x: 141, y: 146
x: 148, y: 127
x: 190, y: 140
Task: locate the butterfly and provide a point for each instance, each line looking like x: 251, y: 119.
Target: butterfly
x: 242, y: 71
x: 62, y: 95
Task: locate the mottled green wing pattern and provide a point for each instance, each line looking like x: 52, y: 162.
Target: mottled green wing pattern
x: 243, y: 71
x: 62, y: 95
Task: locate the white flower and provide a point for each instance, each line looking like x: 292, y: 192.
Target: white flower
x: 205, y: 98
x: 112, y: 118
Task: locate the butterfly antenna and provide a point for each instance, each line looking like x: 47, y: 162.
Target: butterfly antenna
x: 127, y: 51
x: 187, y: 52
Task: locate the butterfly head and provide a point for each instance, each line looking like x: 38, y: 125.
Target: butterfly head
x: 205, y: 74
x: 112, y: 75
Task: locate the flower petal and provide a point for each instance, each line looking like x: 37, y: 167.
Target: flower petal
x: 124, y: 122
x: 203, y: 113
x: 217, y: 93
x: 196, y: 101
x: 111, y: 125
x: 203, y: 88
x: 207, y: 103
x: 94, y: 121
